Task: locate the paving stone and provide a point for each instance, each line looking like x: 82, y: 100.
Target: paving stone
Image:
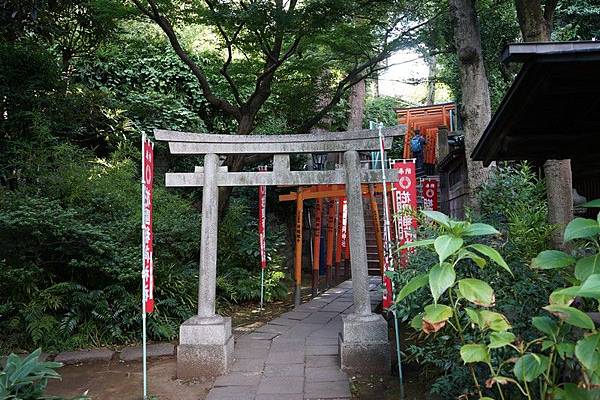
x: 249, y: 352
x: 245, y: 343
x: 302, y: 330
x: 284, y: 321
x: 322, y: 350
x: 152, y: 351
x: 281, y: 385
x: 278, y: 347
x: 248, y: 365
x: 325, y: 374
x: 327, y: 390
x: 284, y: 370
x: 261, y: 335
x: 298, y: 315
x: 290, y: 357
x: 82, y: 356
x: 279, y: 396
x: 269, y: 328
x: 232, y: 393
x: 336, y: 307
x: 322, y: 361
x: 321, y: 341
x: 239, y: 379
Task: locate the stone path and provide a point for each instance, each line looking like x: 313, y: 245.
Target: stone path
x: 294, y: 356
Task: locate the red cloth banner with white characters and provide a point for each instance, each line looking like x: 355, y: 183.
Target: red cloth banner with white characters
x: 430, y: 194
x: 405, y: 197
x: 345, y: 242
x: 262, y: 211
x: 147, y: 234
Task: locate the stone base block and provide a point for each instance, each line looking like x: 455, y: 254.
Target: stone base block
x: 205, y: 348
x: 364, y: 345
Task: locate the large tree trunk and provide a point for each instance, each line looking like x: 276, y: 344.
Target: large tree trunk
x: 357, y: 106
x: 475, y: 105
x: 431, y: 78
x: 535, y: 22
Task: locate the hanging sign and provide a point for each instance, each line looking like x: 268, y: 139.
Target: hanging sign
x: 430, y: 194
x: 262, y: 209
x: 406, y: 202
x: 147, y: 235
x: 345, y: 244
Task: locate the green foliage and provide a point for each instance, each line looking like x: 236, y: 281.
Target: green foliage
x: 27, y: 378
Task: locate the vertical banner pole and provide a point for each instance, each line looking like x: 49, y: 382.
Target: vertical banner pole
x: 388, y: 260
x: 262, y: 208
x: 147, y: 237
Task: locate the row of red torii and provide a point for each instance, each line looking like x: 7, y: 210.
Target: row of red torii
x: 205, y: 341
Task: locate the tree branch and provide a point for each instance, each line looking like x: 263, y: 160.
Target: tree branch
x: 154, y: 14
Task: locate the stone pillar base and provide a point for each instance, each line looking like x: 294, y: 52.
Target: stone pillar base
x: 205, y: 347
x: 364, y: 345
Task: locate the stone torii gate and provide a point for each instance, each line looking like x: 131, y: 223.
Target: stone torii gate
x: 205, y: 341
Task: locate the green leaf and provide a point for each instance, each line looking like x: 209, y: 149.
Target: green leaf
x: 591, y: 287
x: 586, y: 351
x: 417, y: 322
x: 571, y: 391
x: 476, y: 291
x: 565, y: 349
x: 546, y: 325
x: 438, y: 217
x: 492, y: 254
x: 587, y: 266
x: 500, y: 339
x: 564, y: 296
x: 530, y: 366
x: 479, y: 229
x: 446, y: 245
x: 464, y: 253
x: 435, y: 313
x: 417, y: 243
x: 571, y: 316
x: 550, y: 259
x: 474, y: 316
x: 474, y: 352
x: 581, y: 228
x: 494, y: 321
x: 411, y: 286
x: 592, y: 204
x: 441, y: 277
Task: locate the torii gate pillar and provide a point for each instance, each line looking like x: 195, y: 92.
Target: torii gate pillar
x: 205, y: 340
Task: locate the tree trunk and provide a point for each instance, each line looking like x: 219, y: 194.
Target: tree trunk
x: 356, y: 101
x: 431, y: 76
x: 535, y: 22
x: 475, y: 105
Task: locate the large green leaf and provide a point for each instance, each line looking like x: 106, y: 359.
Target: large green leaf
x: 571, y: 391
x: 411, y: 286
x: 441, y: 277
x: 479, y: 229
x: 446, y: 245
x: 465, y: 253
x: 591, y: 287
x: 435, y: 313
x: 493, y: 321
x: 587, y: 266
x: 417, y: 322
x: 438, y: 217
x: 550, y: 259
x: 474, y: 316
x: 592, y: 204
x: 546, y: 325
x: 474, y: 352
x: 530, y: 366
x: 587, y: 352
x: 492, y: 254
x: 564, y: 296
x: 581, y: 228
x: 476, y: 291
x: 500, y: 339
x: 571, y: 316
x: 417, y: 243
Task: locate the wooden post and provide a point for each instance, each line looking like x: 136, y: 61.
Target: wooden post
x: 330, y: 240
x: 317, y: 247
x: 377, y: 227
x: 298, y: 249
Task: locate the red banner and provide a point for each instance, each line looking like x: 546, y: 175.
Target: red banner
x: 345, y: 244
x: 147, y: 234
x: 430, y: 194
x: 262, y: 210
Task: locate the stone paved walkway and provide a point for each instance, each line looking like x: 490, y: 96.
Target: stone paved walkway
x: 294, y: 356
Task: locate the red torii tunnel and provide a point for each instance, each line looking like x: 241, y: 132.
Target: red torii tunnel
x: 334, y: 196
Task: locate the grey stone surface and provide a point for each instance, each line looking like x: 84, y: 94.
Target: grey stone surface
x: 365, y: 358
x: 83, y: 356
x: 284, y: 370
x: 327, y: 390
x: 239, y: 379
x: 153, y: 350
x: 248, y: 365
x: 359, y: 329
x: 280, y: 396
x: 297, y: 315
x: 325, y: 374
x: 232, y: 393
x: 330, y: 350
x: 281, y: 385
x: 322, y: 361
x: 287, y: 357
x: 204, y: 361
